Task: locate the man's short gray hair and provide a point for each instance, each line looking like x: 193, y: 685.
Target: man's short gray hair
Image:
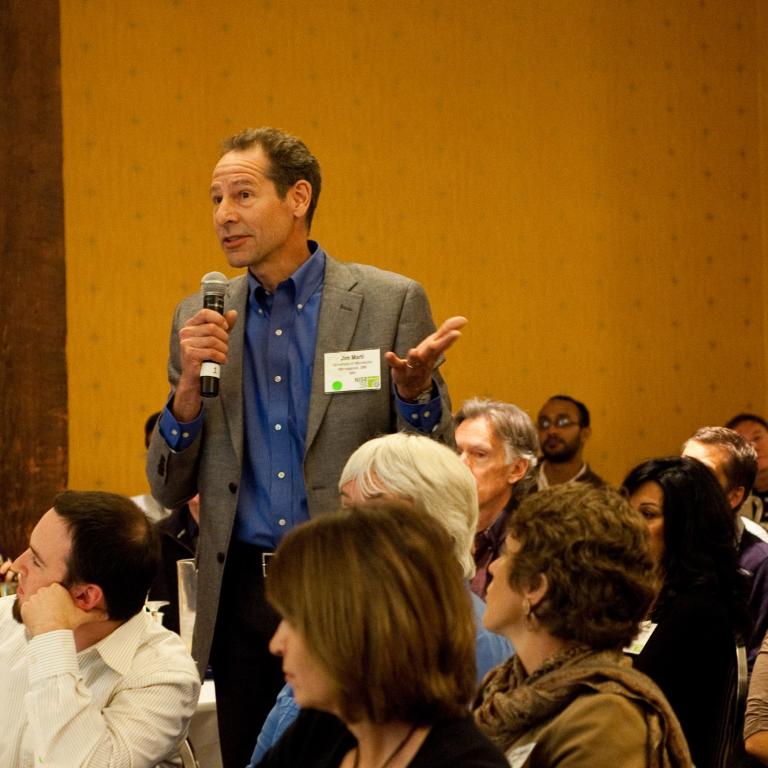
x: 426, y: 473
x: 513, y: 426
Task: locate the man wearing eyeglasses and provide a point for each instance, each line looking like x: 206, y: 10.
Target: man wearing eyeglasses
x: 563, y: 425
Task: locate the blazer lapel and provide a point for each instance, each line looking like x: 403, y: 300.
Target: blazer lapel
x: 339, y: 311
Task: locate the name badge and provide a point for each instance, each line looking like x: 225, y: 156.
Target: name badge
x: 354, y: 371
x: 643, y: 636
x: 517, y: 757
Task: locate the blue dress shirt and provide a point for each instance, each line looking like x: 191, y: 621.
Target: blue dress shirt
x: 278, y: 359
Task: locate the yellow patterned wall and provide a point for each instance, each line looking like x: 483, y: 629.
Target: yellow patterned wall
x: 581, y: 179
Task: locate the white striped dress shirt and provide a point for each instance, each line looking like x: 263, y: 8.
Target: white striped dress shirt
x: 125, y: 702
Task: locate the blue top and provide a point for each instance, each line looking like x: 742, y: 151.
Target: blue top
x: 491, y: 650
x: 278, y: 361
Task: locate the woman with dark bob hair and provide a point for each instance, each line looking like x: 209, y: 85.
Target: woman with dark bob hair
x: 378, y: 643
x: 569, y: 591
x: 700, y: 610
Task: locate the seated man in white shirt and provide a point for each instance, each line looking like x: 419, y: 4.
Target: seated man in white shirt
x: 86, y: 677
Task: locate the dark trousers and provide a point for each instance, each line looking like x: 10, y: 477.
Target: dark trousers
x: 247, y: 676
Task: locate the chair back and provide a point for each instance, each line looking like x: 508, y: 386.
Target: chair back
x: 730, y: 751
x: 187, y: 755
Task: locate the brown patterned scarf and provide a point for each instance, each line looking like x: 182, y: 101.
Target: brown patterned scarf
x: 510, y: 702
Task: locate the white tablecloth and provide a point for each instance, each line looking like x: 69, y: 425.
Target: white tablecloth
x: 204, y: 731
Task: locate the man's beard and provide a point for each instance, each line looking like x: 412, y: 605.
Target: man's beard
x: 16, y: 610
x: 562, y: 453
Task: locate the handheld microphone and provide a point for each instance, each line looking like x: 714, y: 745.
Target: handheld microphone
x: 214, y: 286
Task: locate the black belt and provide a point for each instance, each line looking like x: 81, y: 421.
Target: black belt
x: 245, y: 554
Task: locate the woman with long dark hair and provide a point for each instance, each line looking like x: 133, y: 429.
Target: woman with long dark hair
x: 699, y: 613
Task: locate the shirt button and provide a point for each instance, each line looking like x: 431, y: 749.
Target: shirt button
x: 414, y: 416
x: 278, y: 427
x: 279, y: 332
x: 281, y: 475
x: 185, y: 434
x: 174, y: 432
x: 278, y: 379
x: 299, y: 307
x: 281, y: 521
x: 261, y: 311
x: 426, y: 414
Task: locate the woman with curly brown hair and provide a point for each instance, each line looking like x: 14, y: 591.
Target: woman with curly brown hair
x: 569, y: 592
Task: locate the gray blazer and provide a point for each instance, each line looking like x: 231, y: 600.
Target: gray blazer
x: 361, y: 308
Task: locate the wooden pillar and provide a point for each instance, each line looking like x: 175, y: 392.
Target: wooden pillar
x: 33, y: 321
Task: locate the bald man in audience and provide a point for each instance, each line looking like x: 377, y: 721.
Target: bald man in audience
x: 734, y: 463
x: 498, y: 442
x: 564, y: 428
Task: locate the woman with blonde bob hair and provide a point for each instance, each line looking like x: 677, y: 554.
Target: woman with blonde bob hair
x: 377, y: 641
x: 570, y: 590
x: 425, y: 473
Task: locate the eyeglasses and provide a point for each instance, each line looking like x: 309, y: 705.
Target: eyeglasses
x: 561, y: 422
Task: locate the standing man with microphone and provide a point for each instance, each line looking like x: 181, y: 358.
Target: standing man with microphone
x: 316, y: 357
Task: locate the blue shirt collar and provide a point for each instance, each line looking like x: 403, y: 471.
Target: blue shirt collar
x: 304, y: 281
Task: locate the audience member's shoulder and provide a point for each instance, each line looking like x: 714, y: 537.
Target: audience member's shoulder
x: 457, y: 741
x: 160, y: 648
x: 600, y: 723
x: 315, y: 737
x: 606, y: 708
x: 696, y: 604
x: 590, y: 477
x: 752, y: 543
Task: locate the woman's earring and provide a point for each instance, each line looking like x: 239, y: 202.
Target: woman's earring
x: 530, y: 617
